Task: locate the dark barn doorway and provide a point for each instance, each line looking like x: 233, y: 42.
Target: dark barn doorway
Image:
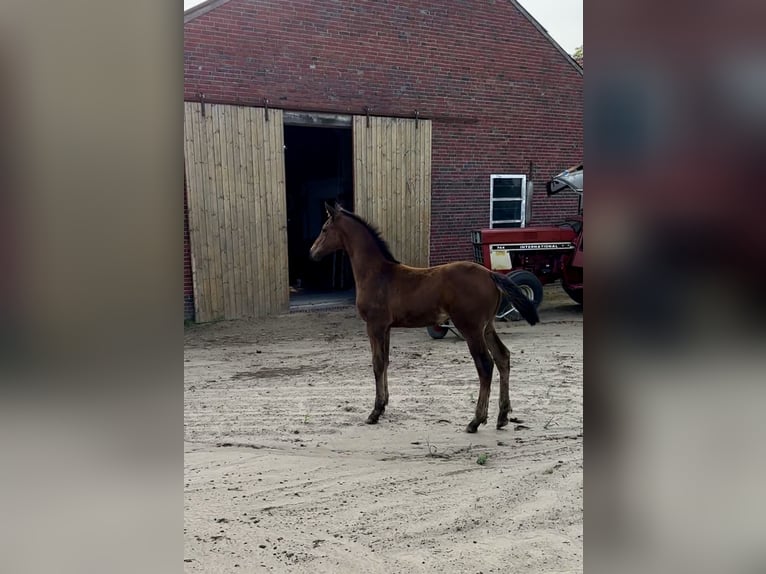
x: 318, y: 169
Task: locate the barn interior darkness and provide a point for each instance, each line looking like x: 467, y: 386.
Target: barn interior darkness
x: 318, y: 169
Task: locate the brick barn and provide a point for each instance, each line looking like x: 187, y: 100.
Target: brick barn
x: 426, y: 118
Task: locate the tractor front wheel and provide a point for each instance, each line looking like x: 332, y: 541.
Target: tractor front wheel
x: 530, y: 285
x: 437, y: 331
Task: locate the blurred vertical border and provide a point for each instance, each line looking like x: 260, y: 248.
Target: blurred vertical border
x: 91, y: 173
x: 676, y: 149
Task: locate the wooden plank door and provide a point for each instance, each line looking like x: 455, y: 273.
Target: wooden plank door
x: 235, y: 172
x: 392, y: 182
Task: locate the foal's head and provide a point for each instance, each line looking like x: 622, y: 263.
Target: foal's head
x: 329, y: 239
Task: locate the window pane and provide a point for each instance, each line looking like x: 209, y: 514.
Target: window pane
x: 507, y: 187
x: 506, y: 210
x: 504, y: 225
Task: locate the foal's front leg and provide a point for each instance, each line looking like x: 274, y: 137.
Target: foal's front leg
x: 379, y: 339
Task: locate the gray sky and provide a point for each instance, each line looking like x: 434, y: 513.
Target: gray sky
x: 562, y: 19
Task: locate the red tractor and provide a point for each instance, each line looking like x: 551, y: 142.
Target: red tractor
x: 534, y: 256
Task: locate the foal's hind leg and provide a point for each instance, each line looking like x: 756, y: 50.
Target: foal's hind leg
x: 379, y: 342
x: 502, y: 358
x: 484, y: 366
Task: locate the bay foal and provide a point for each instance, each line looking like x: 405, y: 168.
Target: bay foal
x: 390, y: 294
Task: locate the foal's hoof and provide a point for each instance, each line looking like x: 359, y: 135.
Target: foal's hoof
x: 474, y: 425
x: 373, y: 418
x: 502, y: 421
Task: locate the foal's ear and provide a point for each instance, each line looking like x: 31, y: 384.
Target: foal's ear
x: 331, y: 211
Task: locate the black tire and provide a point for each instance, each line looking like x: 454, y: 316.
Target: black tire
x: 532, y: 287
x: 437, y: 332
x: 575, y: 294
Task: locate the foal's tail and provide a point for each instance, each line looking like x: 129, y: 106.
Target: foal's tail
x: 523, y: 304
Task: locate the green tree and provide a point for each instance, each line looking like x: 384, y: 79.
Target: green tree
x: 577, y: 55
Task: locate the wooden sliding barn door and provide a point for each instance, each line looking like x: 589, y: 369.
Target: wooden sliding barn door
x: 235, y: 172
x: 392, y: 182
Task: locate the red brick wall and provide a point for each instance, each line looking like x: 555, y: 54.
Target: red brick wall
x: 501, y: 95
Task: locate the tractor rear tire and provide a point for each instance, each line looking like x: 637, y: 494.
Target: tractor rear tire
x: 532, y: 287
x: 575, y: 294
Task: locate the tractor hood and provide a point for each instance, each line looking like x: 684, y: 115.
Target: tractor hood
x: 568, y: 179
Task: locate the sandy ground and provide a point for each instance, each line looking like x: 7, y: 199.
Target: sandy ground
x: 282, y: 475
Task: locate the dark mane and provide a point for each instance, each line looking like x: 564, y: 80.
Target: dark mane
x: 379, y: 241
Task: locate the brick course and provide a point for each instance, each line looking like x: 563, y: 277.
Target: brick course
x: 499, y: 93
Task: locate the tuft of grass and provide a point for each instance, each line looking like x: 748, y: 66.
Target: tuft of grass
x: 483, y: 458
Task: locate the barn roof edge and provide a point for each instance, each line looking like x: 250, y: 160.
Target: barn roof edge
x: 202, y: 8
x: 545, y: 33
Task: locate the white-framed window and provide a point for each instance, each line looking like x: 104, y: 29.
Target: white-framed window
x: 507, y: 200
